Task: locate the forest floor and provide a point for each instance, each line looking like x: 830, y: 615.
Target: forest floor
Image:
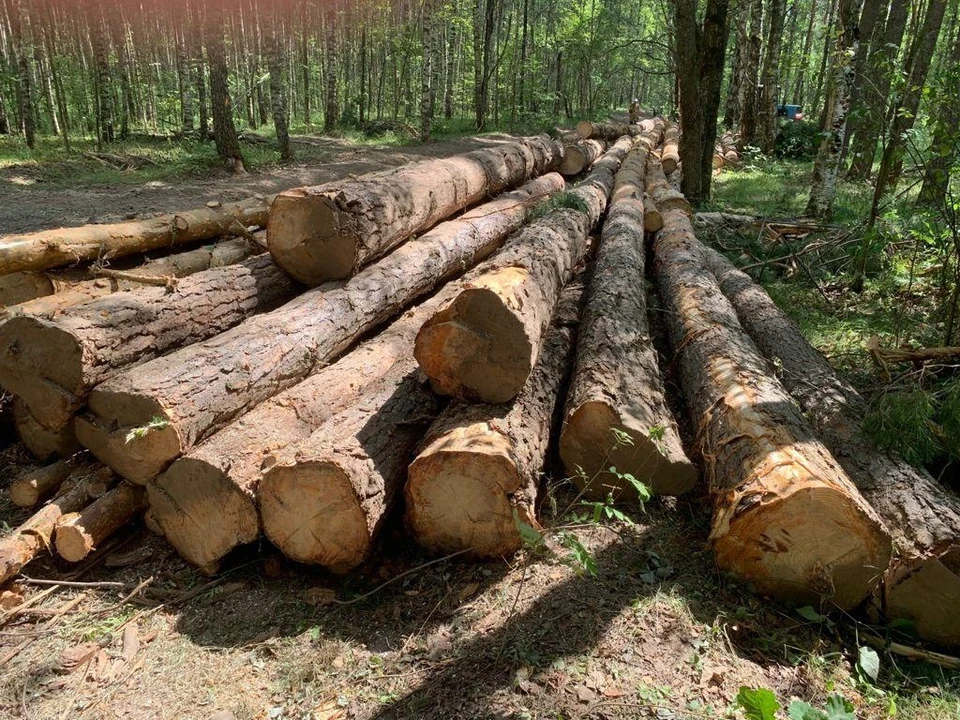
x: 655, y: 631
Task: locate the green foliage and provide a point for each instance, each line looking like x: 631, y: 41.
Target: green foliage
x: 868, y: 664
x: 563, y: 200
x: 758, y: 703
x: 762, y: 704
x: 837, y: 708
x: 798, y: 140
x: 156, y: 423
x: 902, y: 421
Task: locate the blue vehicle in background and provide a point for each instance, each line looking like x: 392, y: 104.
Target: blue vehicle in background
x: 789, y: 112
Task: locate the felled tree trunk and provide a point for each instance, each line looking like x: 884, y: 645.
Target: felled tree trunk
x: 616, y: 414
x: 35, y: 486
x: 330, y: 231
x: 479, y: 466
x: 200, y: 389
x: 53, y: 364
x: 670, y: 155
x: 482, y: 346
x: 578, y: 157
x: 42, y: 442
x: 923, y: 583
x: 663, y: 194
x: 173, y: 266
x: 787, y: 518
x: 65, y: 246
x: 652, y: 218
x: 36, y: 534
x: 77, y: 534
x: 612, y: 131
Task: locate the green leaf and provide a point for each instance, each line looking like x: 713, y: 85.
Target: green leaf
x: 529, y: 537
x: 868, y: 662
x: 758, y: 703
x: 839, y: 708
x: 581, y: 557
x: 808, y: 613
x: 800, y: 710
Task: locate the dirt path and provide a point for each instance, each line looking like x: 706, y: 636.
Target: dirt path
x: 24, y: 208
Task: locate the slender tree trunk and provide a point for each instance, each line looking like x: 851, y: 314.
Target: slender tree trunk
x: 278, y: 83
x: 330, y: 111
x: 731, y: 115
x: 197, y: 38
x: 25, y: 102
x: 305, y: 63
x: 945, y: 148
x: 427, y: 89
x: 101, y: 62
x: 770, y: 77
x: 224, y: 131
x: 751, y: 76
x: 186, y: 82
x: 869, y: 30
x: 828, y: 44
x: 797, y: 94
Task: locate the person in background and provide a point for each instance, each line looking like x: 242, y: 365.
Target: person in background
x: 635, y: 111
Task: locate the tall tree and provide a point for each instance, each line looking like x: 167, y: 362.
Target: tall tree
x: 224, y: 131
x: 700, y: 51
x: 277, y: 65
x: 102, y: 80
x: 770, y: 77
x: 823, y: 188
x: 945, y: 148
x: 751, y: 76
x: 797, y: 94
x: 870, y: 29
x: 331, y: 110
x: 428, y: 90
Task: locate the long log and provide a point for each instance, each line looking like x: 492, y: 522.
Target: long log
x: 611, y: 131
x: 329, y: 231
x: 923, y: 583
x: 202, y: 388
x: 787, y: 518
x: 579, y: 156
x: 43, y: 443
x: 663, y: 194
x: 77, y: 534
x: 616, y: 412
x: 36, y: 534
x: 173, y: 266
x: 35, y: 486
x: 670, y: 155
x: 66, y: 246
x: 479, y: 467
x: 217, y: 482
x: 328, y: 497
x: 53, y: 364
x: 482, y: 346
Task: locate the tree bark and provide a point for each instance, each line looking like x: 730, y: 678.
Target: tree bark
x: 224, y: 131
x: 53, y: 364
x: 428, y: 90
x: 329, y: 231
x: 945, y: 148
x: 78, y: 534
x: 580, y: 156
x: 41, y: 442
x: 65, y: 246
x: 751, y: 76
x: 200, y: 389
x: 36, y: 486
x: 277, y: 65
x: 923, y: 516
x: 770, y: 78
x: 482, y: 346
x: 616, y: 390
x: 870, y: 31
x: 478, y: 470
x: 787, y: 518
x: 28, y: 540
x: 610, y: 131
x: 54, y: 293
x: 662, y: 193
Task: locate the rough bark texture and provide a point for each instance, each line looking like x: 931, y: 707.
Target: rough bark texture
x: 35, y: 486
x: 35, y: 535
x: 205, y: 503
x: 42, y: 442
x: 787, y: 518
x: 616, y: 385
x: 480, y: 464
x: 173, y: 266
x: 329, y: 231
x: 670, y: 155
x: 200, y: 389
x: 52, y: 248
x: 662, y: 193
x: 483, y: 345
x: 923, y: 583
x: 770, y: 77
x: 77, y: 534
x: 610, y: 131
x: 328, y: 497
x: 53, y: 364
x: 580, y: 156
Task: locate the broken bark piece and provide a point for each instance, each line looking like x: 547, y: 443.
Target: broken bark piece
x: 482, y: 346
x: 478, y: 470
x: 330, y: 231
x: 198, y: 390
x: 787, y: 518
x: 77, y: 534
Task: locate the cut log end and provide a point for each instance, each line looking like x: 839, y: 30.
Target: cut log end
x: 306, y: 241
x: 772, y: 541
x: 201, y: 512
x: 925, y: 592
x: 589, y: 447
x: 73, y: 543
x: 37, y: 485
x: 476, y: 349
x: 461, y: 501
x: 311, y: 512
x: 42, y: 443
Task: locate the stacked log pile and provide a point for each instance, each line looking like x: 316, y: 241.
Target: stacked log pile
x: 448, y: 339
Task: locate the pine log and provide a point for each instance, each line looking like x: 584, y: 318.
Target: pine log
x: 330, y: 231
x: 200, y: 389
x: 787, y: 518
x: 652, y: 218
x: 611, y: 131
x: 482, y: 346
x: 663, y: 194
x: 35, y: 486
x: 670, y: 155
x: 923, y: 583
x: 30, y: 539
x: 479, y: 466
x: 77, y: 534
x: 579, y: 156
x: 173, y: 266
x: 53, y: 364
x: 616, y: 412
x: 328, y: 497
x: 42, y: 442
x: 65, y: 246
x: 205, y: 502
